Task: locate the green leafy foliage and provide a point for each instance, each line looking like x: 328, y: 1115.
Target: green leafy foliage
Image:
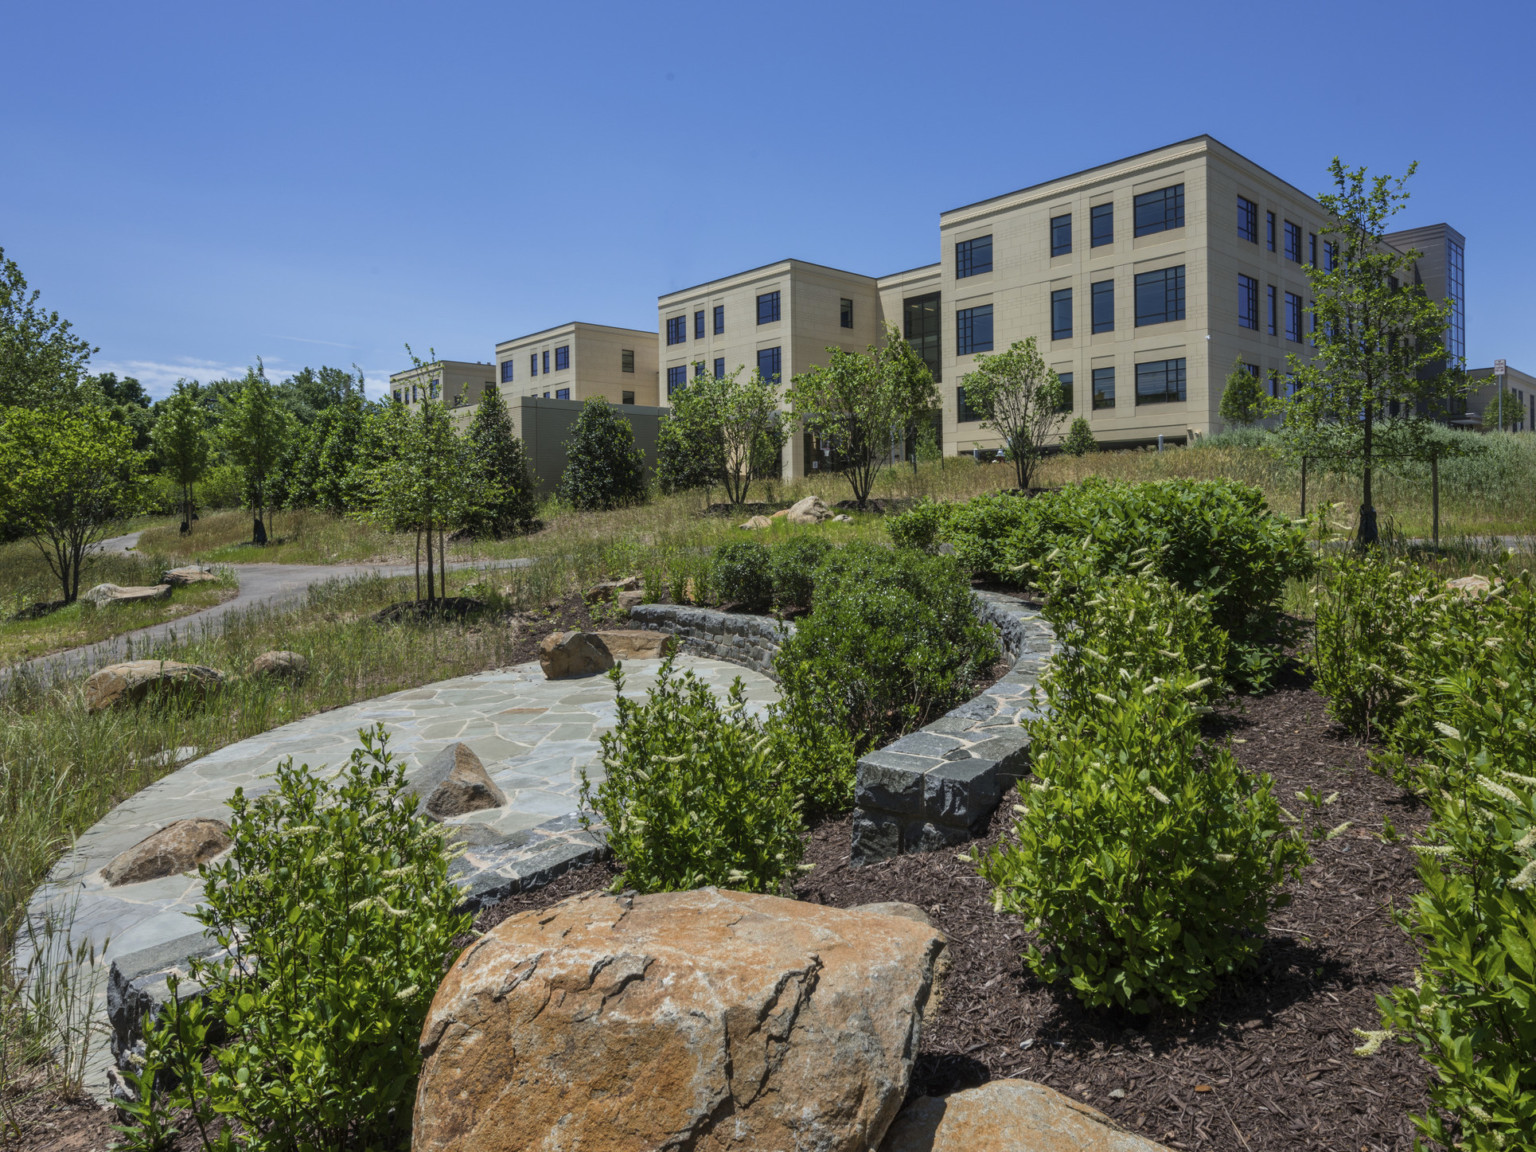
x: 893, y: 638
x: 256, y: 431
x: 1369, y: 613
x: 604, y: 468
x: 1472, y: 1012
x: 337, y: 901
x: 1243, y: 400
x: 1146, y: 860
x: 1079, y: 439
x: 740, y: 575
x: 1021, y: 400
x: 918, y: 528
x: 506, y: 502
x: 692, y: 793
x: 792, y: 566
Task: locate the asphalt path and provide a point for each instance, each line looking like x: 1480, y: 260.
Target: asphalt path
x: 261, y: 585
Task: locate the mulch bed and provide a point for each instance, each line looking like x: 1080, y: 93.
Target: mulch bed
x: 1267, y: 1063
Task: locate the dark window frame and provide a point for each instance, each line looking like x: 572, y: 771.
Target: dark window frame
x: 1102, y: 399
x: 845, y: 312
x: 1169, y: 284
x: 626, y: 397
x: 719, y: 367
x: 768, y: 307
x: 1061, y: 235
x: 1293, y: 324
x: 562, y: 393
x: 506, y: 371
x: 1102, y: 294
x: 677, y: 377
x: 563, y: 358
x: 1274, y: 310
x: 1101, y: 225
x: 1061, y: 310
x: 533, y: 364
x: 964, y: 413
x: 546, y: 362
x: 626, y: 359
x: 698, y: 324
x: 1312, y: 249
x: 1247, y: 220
x: 677, y: 329
x: 1161, y: 210
x: 973, y: 257
x: 1174, y: 371
x: 1269, y: 230
x: 1247, y: 302
x: 1293, y: 242
x: 922, y: 326
x: 1066, y: 390
x: 968, y: 342
x: 775, y: 365
x: 719, y: 319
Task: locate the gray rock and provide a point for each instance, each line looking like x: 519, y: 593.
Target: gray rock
x: 104, y: 594
x: 192, y: 574
x: 178, y: 847
x: 455, y: 782
x: 563, y: 655
x: 281, y: 665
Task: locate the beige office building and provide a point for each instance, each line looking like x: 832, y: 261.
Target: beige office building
x: 456, y: 384
x: 1143, y: 282
x: 577, y: 361
x: 1518, y: 397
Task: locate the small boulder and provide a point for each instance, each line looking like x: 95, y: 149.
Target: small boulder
x: 138, y: 680
x: 104, y: 594
x: 756, y: 522
x: 1008, y: 1116
x: 191, y: 574
x: 455, y: 782
x: 635, y: 643
x: 842, y: 518
x: 1472, y: 587
x: 178, y: 847
x: 811, y: 510
x: 605, y: 589
x: 702, y: 1019
x: 563, y: 655
x: 628, y: 600
x: 780, y: 514
x: 281, y: 665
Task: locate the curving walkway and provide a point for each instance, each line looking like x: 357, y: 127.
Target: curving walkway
x: 261, y: 585
x: 533, y: 735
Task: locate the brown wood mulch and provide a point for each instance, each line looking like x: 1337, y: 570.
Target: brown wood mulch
x: 1267, y: 1063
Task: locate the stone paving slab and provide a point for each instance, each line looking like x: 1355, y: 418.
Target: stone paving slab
x: 533, y: 735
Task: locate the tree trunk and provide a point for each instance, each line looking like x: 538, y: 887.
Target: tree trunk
x: 1367, y: 535
x: 431, y: 588
x: 442, y: 559
x: 258, y: 531
x: 418, y: 563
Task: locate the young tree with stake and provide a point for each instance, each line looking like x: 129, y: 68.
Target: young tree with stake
x: 255, y: 430
x: 180, y: 439
x: 1022, y: 401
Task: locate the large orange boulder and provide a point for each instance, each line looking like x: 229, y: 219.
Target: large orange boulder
x: 708, y: 1020
x: 135, y: 681
x: 178, y: 847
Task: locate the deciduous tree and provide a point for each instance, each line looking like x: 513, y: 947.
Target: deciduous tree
x: 255, y: 430
x: 42, y: 361
x: 1243, y: 399
x: 66, y: 475
x: 181, y: 443
x: 1021, y: 399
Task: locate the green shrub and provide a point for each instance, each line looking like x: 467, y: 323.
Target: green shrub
x: 893, y: 640
x: 739, y: 575
x: 792, y: 566
x: 918, y: 528
x: 222, y: 486
x: 1137, y: 628
x: 1212, y: 536
x: 338, y: 899
x: 604, y: 468
x: 1370, y: 614
x: 1472, y: 1011
x: 1079, y: 439
x: 693, y: 794
x: 1147, y: 861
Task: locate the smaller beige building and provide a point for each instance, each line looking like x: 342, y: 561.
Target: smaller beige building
x: 456, y: 384
x: 578, y: 361
x: 1519, y: 399
x: 778, y: 319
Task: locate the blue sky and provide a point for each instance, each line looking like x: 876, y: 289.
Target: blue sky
x: 194, y: 185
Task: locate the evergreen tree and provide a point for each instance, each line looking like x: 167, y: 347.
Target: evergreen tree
x: 604, y: 468
x: 1079, y: 441
x: 1243, y: 399
x: 506, y: 500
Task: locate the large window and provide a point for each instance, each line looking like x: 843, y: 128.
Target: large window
x: 964, y: 413
x: 1293, y: 242
x: 973, y: 257
x: 719, y: 319
x: 1269, y: 230
x: 506, y: 371
x: 770, y: 365
x: 973, y: 330
x: 768, y: 308
x: 1293, y: 317
x: 562, y: 357
x: 1312, y: 249
x: 1160, y: 296
x: 1330, y: 255
x: 533, y: 364
x: 922, y: 326
x: 626, y: 397
x: 719, y: 367
x: 698, y: 324
x: 1104, y: 306
x: 1247, y: 302
x: 1455, y: 277
x: 1272, y: 310
x: 1247, y: 220
x: 1061, y: 314
x: 698, y: 369
x: 1066, y: 391
x: 546, y: 361
x: 626, y: 360
x: 1161, y: 210
x: 1101, y: 224
x: 845, y: 314
x: 1160, y: 381
x: 1061, y: 234
x: 1103, y: 388
x: 677, y: 377
x: 562, y: 393
x: 677, y: 329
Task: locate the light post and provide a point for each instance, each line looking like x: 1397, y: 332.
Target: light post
x: 1498, y: 372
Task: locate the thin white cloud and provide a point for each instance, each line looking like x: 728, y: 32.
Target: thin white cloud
x: 159, y: 377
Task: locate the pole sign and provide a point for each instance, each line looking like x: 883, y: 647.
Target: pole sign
x: 1498, y: 367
